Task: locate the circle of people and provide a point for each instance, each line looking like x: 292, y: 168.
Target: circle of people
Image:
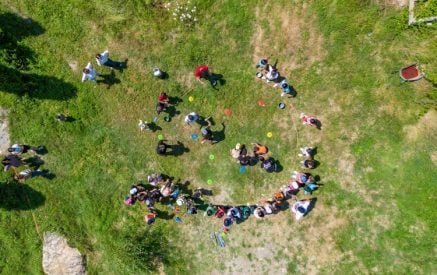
x: 162, y: 188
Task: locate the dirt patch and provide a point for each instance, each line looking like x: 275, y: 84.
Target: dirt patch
x: 392, y: 3
x: 73, y: 65
x: 4, y: 131
x: 291, y: 36
x: 425, y: 128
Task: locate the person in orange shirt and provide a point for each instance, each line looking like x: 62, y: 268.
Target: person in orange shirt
x: 259, y: 150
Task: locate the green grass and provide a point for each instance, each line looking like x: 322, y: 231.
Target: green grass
x: 385, y: 202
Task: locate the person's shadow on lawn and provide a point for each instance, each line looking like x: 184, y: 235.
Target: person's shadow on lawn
x: 108, y: 79
x: 219, y: 135
x: 178, y: 149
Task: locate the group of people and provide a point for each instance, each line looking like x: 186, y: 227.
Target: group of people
x: 21, y: 166
x: 270, y: 73
x: 259, y: 153
x: 165, y: 189
x: 102, y: 59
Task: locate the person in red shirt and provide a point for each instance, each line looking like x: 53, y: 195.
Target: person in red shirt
x: 163, y: 98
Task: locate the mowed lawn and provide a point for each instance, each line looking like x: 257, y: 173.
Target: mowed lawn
x: 375, y: 212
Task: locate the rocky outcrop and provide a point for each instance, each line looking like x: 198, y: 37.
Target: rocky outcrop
x: 59, y: 258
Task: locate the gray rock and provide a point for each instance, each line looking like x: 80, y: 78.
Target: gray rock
x: 59, y: 258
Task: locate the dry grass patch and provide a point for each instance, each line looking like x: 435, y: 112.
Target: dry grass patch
x: 425, y: 128
x: 292, y: 36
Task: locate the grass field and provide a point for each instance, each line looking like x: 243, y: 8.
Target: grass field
x: 377, y: 149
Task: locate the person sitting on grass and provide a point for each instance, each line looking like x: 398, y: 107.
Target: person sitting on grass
x: 191, y: 207
x: 301, y: 178
x: 307, y: 152
x: 154, y: 179
x: 300, y: 208
x: 150, y: 218
x: 234, y: 213
x: 268, y: 165
x: 167, y: 188
x: 235, y: 152
x: 272, y: 74
x: 310, y: 120
x: 191, y: 118
x: 244, y: 160
x: 259, y: 150
x: 259, y: 212
x: 308, y: 163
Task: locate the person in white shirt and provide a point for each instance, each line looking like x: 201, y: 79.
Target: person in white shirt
x: 191, y: 118
x: 89, y: 73
x: 104, y: 60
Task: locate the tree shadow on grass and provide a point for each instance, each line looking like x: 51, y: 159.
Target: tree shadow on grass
x: 15, y: 58
x: 14, y: 196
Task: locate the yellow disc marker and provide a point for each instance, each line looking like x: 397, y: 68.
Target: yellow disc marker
x: 269, y: 134
x: 190, y: 99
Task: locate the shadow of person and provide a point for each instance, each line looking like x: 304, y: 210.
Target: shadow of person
x: 278, y: 166
x: 154, y: 127
x: 34, y: 161
x: 175, y: 100
x: 164, y: 215
x: 178, y: 149
x: 19, y: 196
x: 215, y: 79
x: 171, y: 111
x: 219, y: 135
x: 313, y: 202
x: 108, y: 79
x: 293, y: 92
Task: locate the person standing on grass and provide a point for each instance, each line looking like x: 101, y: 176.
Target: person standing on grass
x: 89, y: 73
x: 163, y: 98
x: 285, y: 87
x: 162, y: 147
x: 207, y: 132
x: 104, y: 60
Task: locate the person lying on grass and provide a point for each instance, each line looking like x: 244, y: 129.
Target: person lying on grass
x: 18, y: 149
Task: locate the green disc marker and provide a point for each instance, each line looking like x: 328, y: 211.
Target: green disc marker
x: 160, y: 137
x: 209, y: 181
x: 211, y: 157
